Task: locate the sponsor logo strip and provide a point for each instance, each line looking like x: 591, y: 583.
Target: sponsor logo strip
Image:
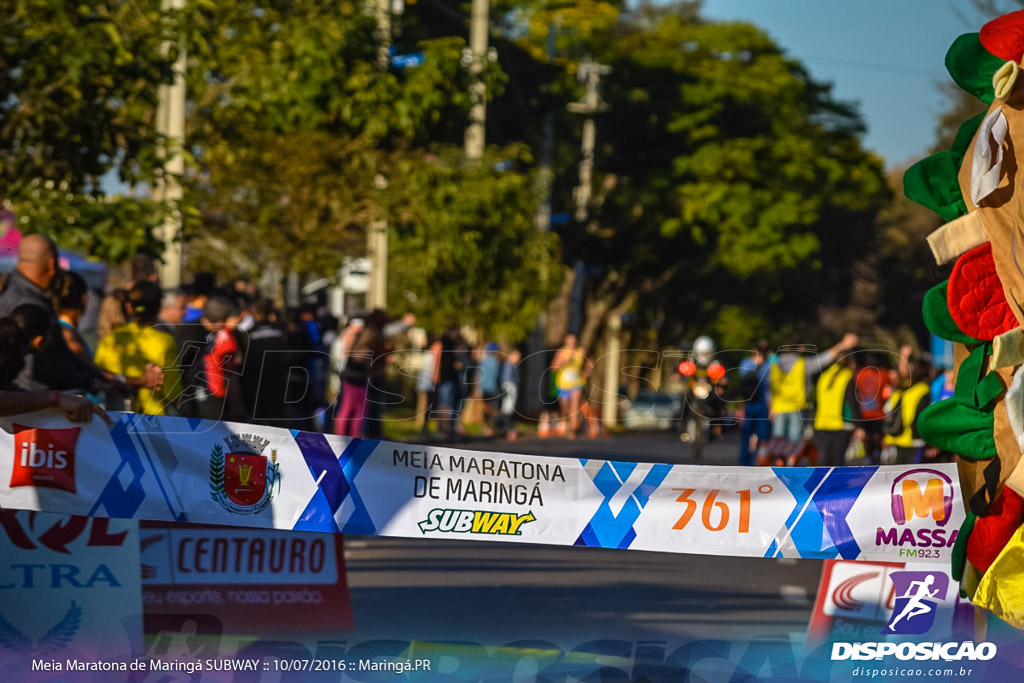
x: 267, y: 478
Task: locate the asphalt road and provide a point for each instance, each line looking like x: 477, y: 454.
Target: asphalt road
x: 495, y: 593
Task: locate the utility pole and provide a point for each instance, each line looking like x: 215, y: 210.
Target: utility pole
x: 590, y: 72
x: 478, y: 55
x: 171, y: 124
x: 377, y: 235
x: 382, y: 12
x: 535, y: 363
x: 377, y: 297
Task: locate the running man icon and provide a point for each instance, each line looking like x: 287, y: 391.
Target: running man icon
x: 914, y: 609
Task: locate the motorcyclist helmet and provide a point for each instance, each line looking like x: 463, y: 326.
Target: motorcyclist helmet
x: 703, y: 350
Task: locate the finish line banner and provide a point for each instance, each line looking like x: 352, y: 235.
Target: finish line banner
x: 184, y: 470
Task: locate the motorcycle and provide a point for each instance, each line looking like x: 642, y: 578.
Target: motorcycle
x: 703, y: 405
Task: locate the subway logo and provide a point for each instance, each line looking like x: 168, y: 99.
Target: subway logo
x: 475, y: 522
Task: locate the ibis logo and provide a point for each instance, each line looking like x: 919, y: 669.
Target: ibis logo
x: 44, y: 458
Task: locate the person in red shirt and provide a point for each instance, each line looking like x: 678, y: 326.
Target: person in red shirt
x: 221, y: 361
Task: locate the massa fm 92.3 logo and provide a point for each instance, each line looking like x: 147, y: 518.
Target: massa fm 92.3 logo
x: 243, y: 481
x: 920, y: 494
x: 475, y: 522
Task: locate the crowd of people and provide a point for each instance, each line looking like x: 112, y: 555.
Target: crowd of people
x: 855, y: 405
x: 227, y: 353
x: 202, y: 351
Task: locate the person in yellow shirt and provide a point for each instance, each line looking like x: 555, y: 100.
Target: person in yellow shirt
x: 790, y: 373
x: 130, y: 348
x: 904, y: 407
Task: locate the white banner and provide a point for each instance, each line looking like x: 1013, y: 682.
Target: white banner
x: 175, y: 469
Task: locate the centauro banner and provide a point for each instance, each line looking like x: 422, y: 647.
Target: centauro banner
x: 176, y: 469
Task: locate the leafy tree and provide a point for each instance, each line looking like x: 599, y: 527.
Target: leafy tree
x: 78, y: 92
x: 732, y: 184
x: 300, y: 140
x: 465, y: 246
x: 292, y: 124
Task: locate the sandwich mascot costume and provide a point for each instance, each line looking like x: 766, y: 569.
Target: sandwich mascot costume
x: 977, y: 187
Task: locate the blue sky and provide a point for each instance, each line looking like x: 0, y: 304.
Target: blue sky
x: 886, y: 55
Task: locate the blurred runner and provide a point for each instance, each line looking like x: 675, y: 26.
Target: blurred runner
x: 570, y: 366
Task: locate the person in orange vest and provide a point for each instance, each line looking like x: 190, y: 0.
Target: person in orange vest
x: 790, y: 373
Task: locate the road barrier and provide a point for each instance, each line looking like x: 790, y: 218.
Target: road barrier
x: 176, y: 469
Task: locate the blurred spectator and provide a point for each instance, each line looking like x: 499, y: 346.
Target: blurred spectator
x: 315, y: 363
x: 206, y: 382
x: 376, y: 391
x: 13, y: 350
x: 548, y: 394
x: 510, y: 393
x: 490, y: 386
x: 267, y: 364
x: 34, y: 323
x: 472, y: 411
x: 448, y: 380
x: 144, y: 268
x: 70, y: 293
x: 365, y: 363
x: 836, y: 411
x: 113, y: 312
x: 300, y: 395
x: 197, y: 295
x: 172, y: 307
x: 54, y: 366
x: 872, y: 386
x: 426, y: 389
x: 754, y: 391
x: 328, y: 330
x: 943, y: 385
x: 791, y: 372
x: 246, y: 320
x: 138, y: 348
x: 339, y: 350
x: 15, y: 401
x: 903, y: 409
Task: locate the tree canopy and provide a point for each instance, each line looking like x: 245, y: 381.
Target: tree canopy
x: 734, y: 191
x: 79, y: 85
x: 731, y: 194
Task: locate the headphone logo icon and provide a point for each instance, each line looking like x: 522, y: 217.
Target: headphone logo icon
x: 910, y: 500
